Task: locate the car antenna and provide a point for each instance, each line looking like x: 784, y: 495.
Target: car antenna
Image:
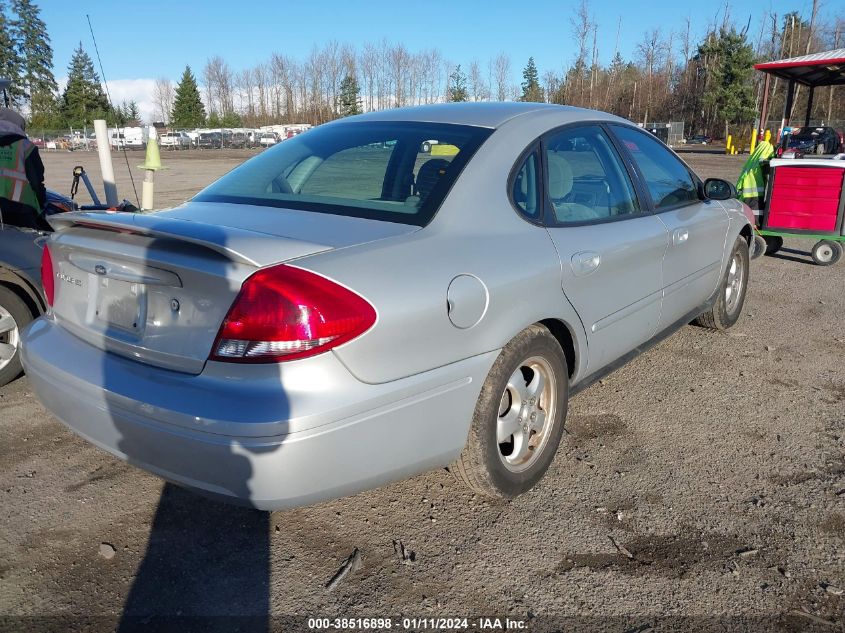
x: 111, y: 105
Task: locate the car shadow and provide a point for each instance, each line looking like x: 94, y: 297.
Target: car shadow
x: 207, y: 563
x: 206, y: 568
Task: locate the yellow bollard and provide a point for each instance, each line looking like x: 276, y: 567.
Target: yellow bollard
x: 753, y: 141
x: 729, y: 144
x: 768, y: 136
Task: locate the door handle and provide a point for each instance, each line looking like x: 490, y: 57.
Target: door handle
x: 585, y: 262
x: 680, y: 236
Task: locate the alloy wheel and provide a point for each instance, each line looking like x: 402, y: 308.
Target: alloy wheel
x: 526, y: 414
x: 10, y: 337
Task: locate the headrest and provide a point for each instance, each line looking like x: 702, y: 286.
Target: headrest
x: 560, y: 176
x: 429, y: 175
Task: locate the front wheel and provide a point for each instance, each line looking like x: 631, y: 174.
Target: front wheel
x: 731, y: 293
x: 518, y: 420
x: 826, y: 252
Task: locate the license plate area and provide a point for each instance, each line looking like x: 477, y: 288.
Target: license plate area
x: 121, y: 304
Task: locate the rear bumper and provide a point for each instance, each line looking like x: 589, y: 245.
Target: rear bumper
x: 268, y: 436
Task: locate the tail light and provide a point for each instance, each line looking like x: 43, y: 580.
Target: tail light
x: 284, y: 313
x: 48, y: 279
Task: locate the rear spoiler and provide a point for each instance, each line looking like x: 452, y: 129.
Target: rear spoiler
x: 233, y: 243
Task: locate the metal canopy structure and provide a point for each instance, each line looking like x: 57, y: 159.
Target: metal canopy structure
x: 816, y: 70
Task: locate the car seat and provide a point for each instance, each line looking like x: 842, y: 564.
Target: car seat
x: 560, y: 185
x: 428, y: 176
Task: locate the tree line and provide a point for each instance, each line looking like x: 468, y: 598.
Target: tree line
x: 703, y: 76
x: 708, y: 80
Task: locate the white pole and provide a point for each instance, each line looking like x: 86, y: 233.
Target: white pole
x: 104, y: 150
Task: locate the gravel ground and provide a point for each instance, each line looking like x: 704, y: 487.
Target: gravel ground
x: 701, y: 484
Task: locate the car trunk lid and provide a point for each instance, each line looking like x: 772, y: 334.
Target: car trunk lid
x: 156, y: 287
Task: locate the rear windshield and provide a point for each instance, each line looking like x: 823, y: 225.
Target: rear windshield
x: 391, y: 171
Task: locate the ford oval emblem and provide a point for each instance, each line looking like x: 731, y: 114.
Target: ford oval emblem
x: 100, y: 269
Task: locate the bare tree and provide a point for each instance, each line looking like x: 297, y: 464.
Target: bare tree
x: 501, y: 74
x: 478, y: 89
x: 219, y: 86
x: 163, y: 95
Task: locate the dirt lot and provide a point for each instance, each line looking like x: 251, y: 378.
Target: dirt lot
x: 700, y: 484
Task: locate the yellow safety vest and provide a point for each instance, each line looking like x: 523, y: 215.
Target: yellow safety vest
x: 751, y: 186
x: 14, y: 185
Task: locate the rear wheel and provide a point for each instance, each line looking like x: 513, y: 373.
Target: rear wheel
x: 773, y: 243
x: 14, y: 315
x: 826, y: 252
x: 731, y: 294
x: 518, y: 420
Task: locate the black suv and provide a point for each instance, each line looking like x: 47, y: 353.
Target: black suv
x: 210, y: 140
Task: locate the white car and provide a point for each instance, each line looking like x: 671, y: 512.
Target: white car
x: 175, y: 140
x: 268, y: 139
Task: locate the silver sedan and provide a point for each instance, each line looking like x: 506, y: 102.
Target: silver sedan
x: 381, y: 296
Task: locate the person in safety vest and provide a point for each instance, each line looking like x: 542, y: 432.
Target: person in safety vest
x: 751, y: 186
x: 22, y: 192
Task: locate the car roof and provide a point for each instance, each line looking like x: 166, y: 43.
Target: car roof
x: 481, y: 114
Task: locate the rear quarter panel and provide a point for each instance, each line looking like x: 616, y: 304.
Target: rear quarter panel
x: 476, y: 232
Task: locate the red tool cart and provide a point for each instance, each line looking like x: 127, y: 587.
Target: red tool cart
x: 805, y: 197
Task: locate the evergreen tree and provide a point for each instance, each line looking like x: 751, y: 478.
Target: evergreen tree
x: 188, y: 110
x: 231, y: 119
x: 10, y: 61
x: 531, y: 90
x: 730, y: 88
x: 46, y: 111
x: 350, y: 96
x: 117, y: 116
x: 132, y: 114
x: 33, y: 47
x: 83, y: 99
x: 457, y: 90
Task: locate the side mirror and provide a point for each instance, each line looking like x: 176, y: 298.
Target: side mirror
x: 718, y: 189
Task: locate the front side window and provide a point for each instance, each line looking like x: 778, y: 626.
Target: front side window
x: 667, y: 179
x: 586, y: 180
x: 392, y: 171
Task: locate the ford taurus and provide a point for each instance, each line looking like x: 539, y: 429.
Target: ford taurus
x: 382, y: 295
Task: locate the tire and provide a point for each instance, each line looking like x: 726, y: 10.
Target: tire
x: 826, y: 252
x: 773, y: 244
x: 14, y: 315
x: 758, y: 246
x: 731, y: 293
x: 508, y: 469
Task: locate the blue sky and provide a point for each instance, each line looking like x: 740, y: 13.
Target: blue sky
x: 156, y: 38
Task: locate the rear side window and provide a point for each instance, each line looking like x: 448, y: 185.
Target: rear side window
x: 667, y: 179
x: 525, y: 192
x: 391, y: 171
x: 586, y: 180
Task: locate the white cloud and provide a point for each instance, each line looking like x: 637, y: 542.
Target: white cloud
x: 139, y: 90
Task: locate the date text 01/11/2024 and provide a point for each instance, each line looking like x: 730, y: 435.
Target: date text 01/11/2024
x: 417, y: 624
